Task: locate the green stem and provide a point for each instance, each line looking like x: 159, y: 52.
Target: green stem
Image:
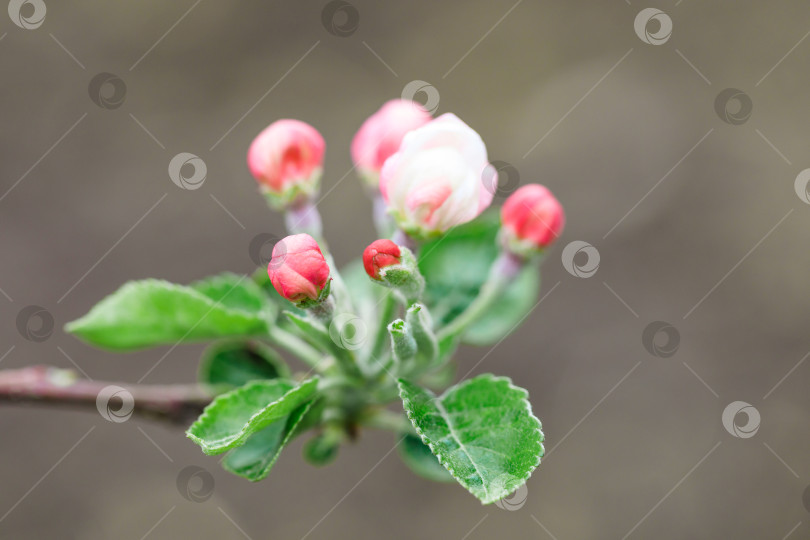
x: 501, y: 273
x: 297, y: 347
x: 381, y: 336
x: 389, y: 421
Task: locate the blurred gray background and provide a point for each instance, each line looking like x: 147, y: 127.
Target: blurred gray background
x: 696, y: 221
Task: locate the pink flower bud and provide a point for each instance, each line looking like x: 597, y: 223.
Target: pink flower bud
x: 381, y: 135
x: 378, y: 255
x: 532, y: 218
x: 433, y: 182
x: 286, y: 159
x: 297, y: 269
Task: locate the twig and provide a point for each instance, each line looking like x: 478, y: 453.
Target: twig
x: 45, y: 385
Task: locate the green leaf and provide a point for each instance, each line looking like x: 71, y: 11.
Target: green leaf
x: 418, y: 457
x: 155, y: 312
x: 231, y: 418
x: 313, y: 417
x: 237, y: 292
x: 311, y: 329
x: 457, y: 264
x: 482, y: 430
x: 235, y: 362
x: 323, y: 448
x: 254, y: 459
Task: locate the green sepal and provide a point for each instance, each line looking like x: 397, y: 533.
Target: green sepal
x: 405, y: 277
x: 427, y: 348
x: 303, y: 189
x: 403, y: 344
x: 308, y: 303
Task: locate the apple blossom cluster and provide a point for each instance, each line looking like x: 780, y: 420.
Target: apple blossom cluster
x: 428, y: 172
x: 443, y: 272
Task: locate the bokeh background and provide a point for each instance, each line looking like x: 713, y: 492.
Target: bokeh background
x: 694, y: 214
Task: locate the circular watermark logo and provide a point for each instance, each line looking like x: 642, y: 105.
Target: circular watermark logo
x: 107, y: 90
x: 802, y: 187
x: 806, y: 498
x: 661, y: 339
x: 115, y: 404
x: 278, y: 255
x: 752, y: 419
x: 580, y: 259
x: 653, y: 26
x: 733, y: 106
x: 500, y: 178
x: 195, y: 484
x: 348, y: 331
x: 28, y: 14
x: 430, y: 93
x: 187, y: 171
x: 340, y: 18
x: 35, y: 323
x: 515, y: 501
x: 261, y: 247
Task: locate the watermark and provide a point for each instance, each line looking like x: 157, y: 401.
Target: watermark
x: 658, y: 21
x: 801, y: 186
x: 35, y: 323
x: 187, y: 171
x: 730, y: 415
x: 107, y: 90
x: 195, y: 484
x: 515, y: 501
x: 27, y: 14
x: 348, y: 331
x: 430, y: 93
x: 340, y: 18
x: 806, y: 498
x: 661, y: 339
x: 500, y: 178
x: 115, y: 404
x: 261, y: 248
x: 573, y: 255
x: 733, y: 106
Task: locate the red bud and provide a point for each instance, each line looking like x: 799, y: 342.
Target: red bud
x: 298, y: 270
x: 532, y: 216
x: 378, y: 255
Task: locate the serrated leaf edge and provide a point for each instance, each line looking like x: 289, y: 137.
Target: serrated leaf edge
x: 524, y: 393
x: 210, y: 448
